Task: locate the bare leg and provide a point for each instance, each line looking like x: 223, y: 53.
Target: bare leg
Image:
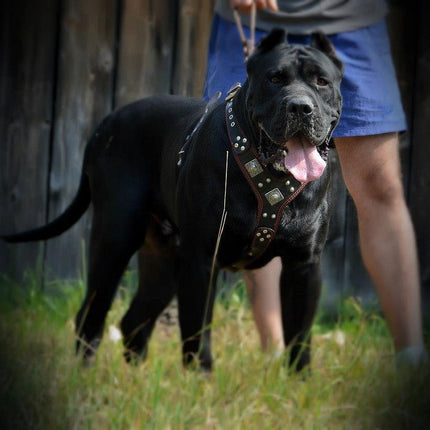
x: 371, y: 170
x: 263, y: 291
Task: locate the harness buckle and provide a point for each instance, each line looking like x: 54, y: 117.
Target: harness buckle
x: 232, y: 91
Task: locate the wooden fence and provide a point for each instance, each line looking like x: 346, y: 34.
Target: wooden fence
x: 65, y: 64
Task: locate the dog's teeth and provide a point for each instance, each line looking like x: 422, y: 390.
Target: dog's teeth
x: 284, y: 153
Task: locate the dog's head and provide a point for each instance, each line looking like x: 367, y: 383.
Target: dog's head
x: 294, y: 101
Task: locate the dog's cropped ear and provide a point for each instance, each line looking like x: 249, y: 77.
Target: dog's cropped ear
x: 276, y: 37
x: 321, y: 42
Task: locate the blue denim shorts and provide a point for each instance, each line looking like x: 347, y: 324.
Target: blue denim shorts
x: 371, y: 96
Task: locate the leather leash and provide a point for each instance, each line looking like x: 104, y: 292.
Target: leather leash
x: 211, y: 104
x: 248, y: 44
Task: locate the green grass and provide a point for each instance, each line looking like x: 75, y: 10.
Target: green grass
x: 354, y: 384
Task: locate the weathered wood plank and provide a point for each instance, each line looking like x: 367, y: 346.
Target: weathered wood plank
x: 402, y: 28
x: 146, y: 49
x: 84, y: 97
x: 401, y: 25
x: 420, y: 172
x: 194, y: 23
x: 27, y: 53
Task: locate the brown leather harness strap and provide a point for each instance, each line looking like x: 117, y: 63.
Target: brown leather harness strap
x: 272, y: 194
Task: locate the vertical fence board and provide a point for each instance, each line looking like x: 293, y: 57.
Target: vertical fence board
x: 402, y: 26
x: 194, y: 21
x: 420, y: 172
x: 146, y: 49
x: 402, y: 30
x: 84, y: 96
x: 27, y: 44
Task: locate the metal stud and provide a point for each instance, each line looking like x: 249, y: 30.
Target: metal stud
x: 273, y: 216
x: 265, y: 215
x: 242, y: 148
x: 230, y: 117
x: 258, y: 234
x: 287, y: 183
x: 260, y: 185
x: 236, y: 145
x: 230, y: 110
x: 268, y: 180
x: 265, y: 231
x: 268, y: 236
x: 262, y: 239
x: 244, y: 140
x: 292, y: 189
x: 233, y: 124
x: 237, y: 137
x: 274, y: 196
x: 253, y: 167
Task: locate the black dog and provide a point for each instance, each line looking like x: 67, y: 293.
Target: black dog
x: 158, y: 176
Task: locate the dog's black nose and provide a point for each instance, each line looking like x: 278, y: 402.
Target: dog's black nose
x: 300, y: 106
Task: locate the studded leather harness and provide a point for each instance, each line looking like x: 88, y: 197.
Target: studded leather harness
x: 272, y: 194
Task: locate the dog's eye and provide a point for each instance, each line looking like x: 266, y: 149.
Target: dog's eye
x: 321, y: 82
x: 275, y: 79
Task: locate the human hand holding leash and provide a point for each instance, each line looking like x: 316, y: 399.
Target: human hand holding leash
x: 244, y: 6
x: 249, y: 7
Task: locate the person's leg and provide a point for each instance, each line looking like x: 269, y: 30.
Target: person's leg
x: 371, y: 169
x: 263, y: 291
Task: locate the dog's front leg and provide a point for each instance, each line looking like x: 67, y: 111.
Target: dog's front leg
x: 300, y: 292
x: 196, y: 294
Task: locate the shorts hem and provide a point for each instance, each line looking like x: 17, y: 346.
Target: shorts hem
x: 370, y: 131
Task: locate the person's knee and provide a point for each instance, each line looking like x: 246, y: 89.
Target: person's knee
x: 378, y: 188
x: 371, y: 170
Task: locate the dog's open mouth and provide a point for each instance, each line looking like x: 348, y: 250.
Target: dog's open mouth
x: 305, y: 161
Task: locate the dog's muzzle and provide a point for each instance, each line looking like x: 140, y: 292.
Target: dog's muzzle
x: 296, y: 139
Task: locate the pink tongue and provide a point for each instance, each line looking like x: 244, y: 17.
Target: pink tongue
x: 303, y: 160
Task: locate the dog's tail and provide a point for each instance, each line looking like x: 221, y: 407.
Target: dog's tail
x: 63, y: 222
